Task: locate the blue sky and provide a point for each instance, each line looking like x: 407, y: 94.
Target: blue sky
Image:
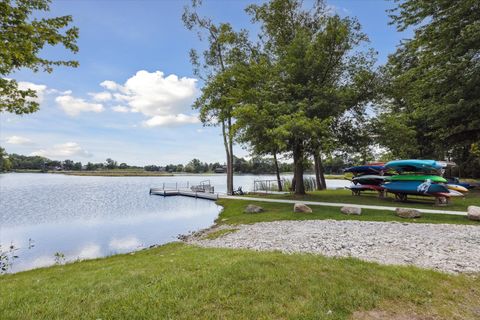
x: 130, y: 97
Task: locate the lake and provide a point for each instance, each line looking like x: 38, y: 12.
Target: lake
x: 90, y: 217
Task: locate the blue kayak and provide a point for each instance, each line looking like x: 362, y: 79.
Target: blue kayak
x: 365, y: 169
x: 413, y: 165
x: 415, y: 187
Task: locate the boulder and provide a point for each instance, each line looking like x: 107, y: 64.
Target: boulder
x: 473, y: 213
x: 408, y: 213
x: 300, y: 207
x: 251, y: 208
x: 351, y: 210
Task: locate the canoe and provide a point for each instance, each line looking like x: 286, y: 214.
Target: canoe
x: 376, y: 164
x: 413, y: 177
x: 369, y: 179
x: 365, y: 169
x: 450, y: 193
x: 466, y: 185
x: 457, y: 187
x: 414, y: 187
x: 413, y: 165
x: 364, y: 187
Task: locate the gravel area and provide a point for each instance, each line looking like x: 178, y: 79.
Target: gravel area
x: 445, y: 247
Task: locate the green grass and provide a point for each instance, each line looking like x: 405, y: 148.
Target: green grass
x: 218, y: 233
x: 232, y: 213
x: 370, y: 198
x: 178, y: 281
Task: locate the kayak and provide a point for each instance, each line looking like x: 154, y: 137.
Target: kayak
x: 413, y: 165
x: 369, y: 179
x: 415, y: 187
x: 450, y: 193
x: 364, y: 187
x: 457, y: 187
x: 365, y: 169
x: 413, y: 177
x: 462, y: 184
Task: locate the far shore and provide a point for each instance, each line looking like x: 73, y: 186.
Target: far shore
x: 143, y: 173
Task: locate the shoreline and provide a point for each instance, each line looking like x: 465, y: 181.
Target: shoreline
x: 139, y: 173
x: 440, y: 247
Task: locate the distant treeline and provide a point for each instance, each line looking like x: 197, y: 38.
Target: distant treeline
x: 255, y: 165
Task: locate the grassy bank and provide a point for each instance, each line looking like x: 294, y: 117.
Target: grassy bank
x: 370, y: 198
x: 115, y: 173
x: 177, y: 281
x: 232, y: 213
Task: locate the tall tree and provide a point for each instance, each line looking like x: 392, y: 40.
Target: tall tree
x: 435, y: 76
x: 226, y: 49
x: 320, y: 72
x: 22, y: 37
x: 5, y: 163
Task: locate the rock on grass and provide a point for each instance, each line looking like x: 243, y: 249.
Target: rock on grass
x: 302, y: 208
x: 251, y: 208
x: 408, y: 213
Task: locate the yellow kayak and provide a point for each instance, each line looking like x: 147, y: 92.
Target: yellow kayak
x: 456, y: 187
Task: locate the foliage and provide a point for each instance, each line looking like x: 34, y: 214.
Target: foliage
x: 217, y: 68
x: 22, y: 38
x: 111, y: 164
x: 310, y: 70
x: 5, y: 162
x: 433, y: 80
x: 10, y: 254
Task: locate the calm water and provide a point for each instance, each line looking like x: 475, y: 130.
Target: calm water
x: 90, y: 217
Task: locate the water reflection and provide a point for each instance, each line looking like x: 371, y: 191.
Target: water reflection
x: 91, y: 217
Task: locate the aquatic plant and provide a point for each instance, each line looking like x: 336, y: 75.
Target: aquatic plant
x: 9, y: 255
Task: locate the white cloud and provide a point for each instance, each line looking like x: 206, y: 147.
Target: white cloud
x: 39, y: 88
x: 63, y: 93
x: 19, y: 140
x: 333, y: 9
x: 90, y: 251
x: 64, y: 150
x: 73, y: 106
x: 110, y: 85
x: 167, y: 100
x: 124, y: 244
x: 101, y: 96
x: 122, y: 109
x: 171, y: 120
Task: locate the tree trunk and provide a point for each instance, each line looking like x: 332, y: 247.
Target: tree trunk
x: 316, y: 164
x: 298, y: 169
x: 230, y: 150
x: 229, y: 160
x: 277, y: 170
x: 321, y: 171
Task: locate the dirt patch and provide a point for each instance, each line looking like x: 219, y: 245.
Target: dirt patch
x: 386, y: 315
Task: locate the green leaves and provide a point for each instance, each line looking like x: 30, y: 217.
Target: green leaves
x: 436, y: 74
x: 21, y: 39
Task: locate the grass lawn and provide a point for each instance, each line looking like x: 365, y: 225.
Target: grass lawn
x: 370, y: 198
x: 233, y: 214
x: 177, y: 281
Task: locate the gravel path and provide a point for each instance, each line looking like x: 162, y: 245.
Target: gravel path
x: 444, y: 247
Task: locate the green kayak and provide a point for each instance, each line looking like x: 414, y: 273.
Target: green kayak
x: 415, y: 177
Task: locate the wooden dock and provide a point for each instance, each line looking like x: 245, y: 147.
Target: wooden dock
x: 185, y: 193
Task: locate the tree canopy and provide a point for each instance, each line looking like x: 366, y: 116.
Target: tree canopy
x: 22, y: 37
